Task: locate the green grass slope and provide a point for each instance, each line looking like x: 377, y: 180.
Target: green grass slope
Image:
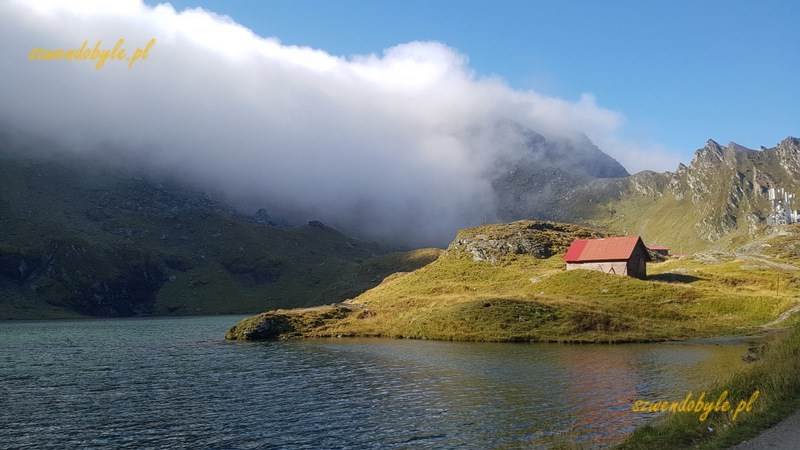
x: 521, y: 297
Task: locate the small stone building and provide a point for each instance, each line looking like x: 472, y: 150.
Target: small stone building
x: 663, y: 251
x: 625, y: 255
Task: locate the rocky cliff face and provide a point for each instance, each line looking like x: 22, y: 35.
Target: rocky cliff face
x: 81, y: 277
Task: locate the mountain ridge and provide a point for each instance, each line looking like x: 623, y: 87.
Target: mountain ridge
x: 721, y: 196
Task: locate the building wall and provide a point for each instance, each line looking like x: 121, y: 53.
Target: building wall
x: 637, y: 264
x: 615, y: 267
x: 635, y: 267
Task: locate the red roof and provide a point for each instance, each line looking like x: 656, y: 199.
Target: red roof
x: 658, y: 248
x: 575, y: 249
x: 607, y: 249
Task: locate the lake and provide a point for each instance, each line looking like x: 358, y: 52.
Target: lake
x: 175, y: 382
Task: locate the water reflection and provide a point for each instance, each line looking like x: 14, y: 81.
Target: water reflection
x: 524, y: 394
x: 176, y: 383
x: 602, y: 383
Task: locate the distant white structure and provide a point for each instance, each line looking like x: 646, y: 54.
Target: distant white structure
x: 782, y: 208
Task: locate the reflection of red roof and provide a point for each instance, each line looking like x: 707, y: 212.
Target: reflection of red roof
x: 607, y: 249
x: 659, y: 248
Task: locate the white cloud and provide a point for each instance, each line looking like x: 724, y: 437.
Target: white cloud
x: 379, y: 139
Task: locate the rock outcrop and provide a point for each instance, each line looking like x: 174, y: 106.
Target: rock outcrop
x: 286, y: 324
x: 526, y: 237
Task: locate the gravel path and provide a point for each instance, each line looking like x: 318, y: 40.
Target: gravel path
x: 785, y: 434
x: 784, y: 315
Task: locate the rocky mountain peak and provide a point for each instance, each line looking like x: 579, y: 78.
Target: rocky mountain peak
x: 710, y: 154
x: 788, y: 152
x: 738, y: 148
x: 722, y: 194
x: 790, y: 142
x: 571, y: 154
x: 541, y: 173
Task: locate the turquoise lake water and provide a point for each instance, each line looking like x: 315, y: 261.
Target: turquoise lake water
x: 175, y: 382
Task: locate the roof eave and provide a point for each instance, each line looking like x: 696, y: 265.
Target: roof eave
x: 598, y: 260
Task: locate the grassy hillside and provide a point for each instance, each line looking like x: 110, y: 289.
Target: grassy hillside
x: 521, y: 297
x: 82, y: 238
x: 661, y: 221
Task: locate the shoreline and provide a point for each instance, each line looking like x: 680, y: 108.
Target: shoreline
x: 775, y: 374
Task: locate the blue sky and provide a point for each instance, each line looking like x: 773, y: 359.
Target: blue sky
x: 680, y: 72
